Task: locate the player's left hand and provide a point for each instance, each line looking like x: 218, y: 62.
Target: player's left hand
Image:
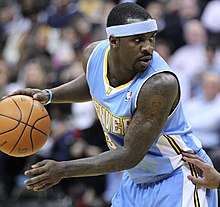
x: 44, y: 175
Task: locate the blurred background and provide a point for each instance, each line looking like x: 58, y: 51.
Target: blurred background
x: 41, y: 44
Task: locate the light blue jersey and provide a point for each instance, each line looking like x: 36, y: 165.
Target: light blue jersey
x: 115, y: 107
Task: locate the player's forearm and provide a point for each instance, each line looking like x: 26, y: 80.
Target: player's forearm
x: 107, y: 162
x: 73, y: 91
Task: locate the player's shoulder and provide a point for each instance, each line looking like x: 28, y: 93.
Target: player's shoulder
x: 87, y: 52
x: 160, y: 90
x: 163, y: 78
x: 164, y: 82
x: 90, y: 48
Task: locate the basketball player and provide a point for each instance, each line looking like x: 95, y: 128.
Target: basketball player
x: 137, y: 100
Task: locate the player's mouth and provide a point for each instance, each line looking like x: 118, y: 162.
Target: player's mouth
x: 145, y: 61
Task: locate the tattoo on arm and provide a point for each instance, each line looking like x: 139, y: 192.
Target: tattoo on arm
x: 155, y: 101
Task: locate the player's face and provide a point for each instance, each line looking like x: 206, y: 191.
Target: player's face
x: 136, y: 51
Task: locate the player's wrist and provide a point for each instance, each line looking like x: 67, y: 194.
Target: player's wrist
x: 64, y: 169
x: 50, y: 96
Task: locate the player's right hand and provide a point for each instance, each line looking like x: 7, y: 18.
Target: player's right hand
x: 44, y: 175
x: 37, y: 94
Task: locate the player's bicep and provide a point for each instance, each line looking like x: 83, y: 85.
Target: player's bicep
x: 155, y: 101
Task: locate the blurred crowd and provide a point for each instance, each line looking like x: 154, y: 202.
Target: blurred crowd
x: 41, y: 43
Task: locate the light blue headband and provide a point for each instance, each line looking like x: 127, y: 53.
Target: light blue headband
x: 149, y: 25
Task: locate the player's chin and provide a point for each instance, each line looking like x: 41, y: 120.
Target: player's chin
x: 141, y: 66
x: 139, y: 69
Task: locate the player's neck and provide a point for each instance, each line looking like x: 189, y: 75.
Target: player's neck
x: 116, y: 73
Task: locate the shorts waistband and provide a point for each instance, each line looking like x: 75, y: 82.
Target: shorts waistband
x: 159, y: 179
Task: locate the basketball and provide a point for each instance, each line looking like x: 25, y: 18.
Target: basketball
x: 24, y: 125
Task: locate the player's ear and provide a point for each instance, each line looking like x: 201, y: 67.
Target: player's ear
x: 114, y: 41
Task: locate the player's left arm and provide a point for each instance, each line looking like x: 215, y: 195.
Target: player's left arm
x: 156, y: 100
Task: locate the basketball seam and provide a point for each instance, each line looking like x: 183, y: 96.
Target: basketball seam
x: 33, y: 127
x: 36, y: 127
x: 18, y: 122
x: 22, y: 122
x: 24, y: 126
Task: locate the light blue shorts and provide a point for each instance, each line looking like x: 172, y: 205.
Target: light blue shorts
x: 174, y: 191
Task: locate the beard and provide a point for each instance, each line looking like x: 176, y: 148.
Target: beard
x: 138, y: 68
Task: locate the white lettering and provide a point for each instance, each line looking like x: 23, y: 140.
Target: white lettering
x: 111, y: 123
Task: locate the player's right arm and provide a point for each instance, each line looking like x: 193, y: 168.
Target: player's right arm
x: 76, y: 90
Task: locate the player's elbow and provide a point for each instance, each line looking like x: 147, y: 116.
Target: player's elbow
x: 134, y: 158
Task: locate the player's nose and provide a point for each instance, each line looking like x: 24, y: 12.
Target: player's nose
x: 147, y: 47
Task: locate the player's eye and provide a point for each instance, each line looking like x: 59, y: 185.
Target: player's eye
x: 137, y: 39
x: 152, y: 37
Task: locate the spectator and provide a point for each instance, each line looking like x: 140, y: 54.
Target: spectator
x: 163, y: 47
x: 189, y: 60
x: 177, y: 14
x: 156, y: 10
x: 60, y: 12
x: 212, y: 55
x: 211, y: 16
x: 4, y: 78
x: 203, y: 112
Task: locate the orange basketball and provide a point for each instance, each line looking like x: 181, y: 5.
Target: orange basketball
x: 24, y: 125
